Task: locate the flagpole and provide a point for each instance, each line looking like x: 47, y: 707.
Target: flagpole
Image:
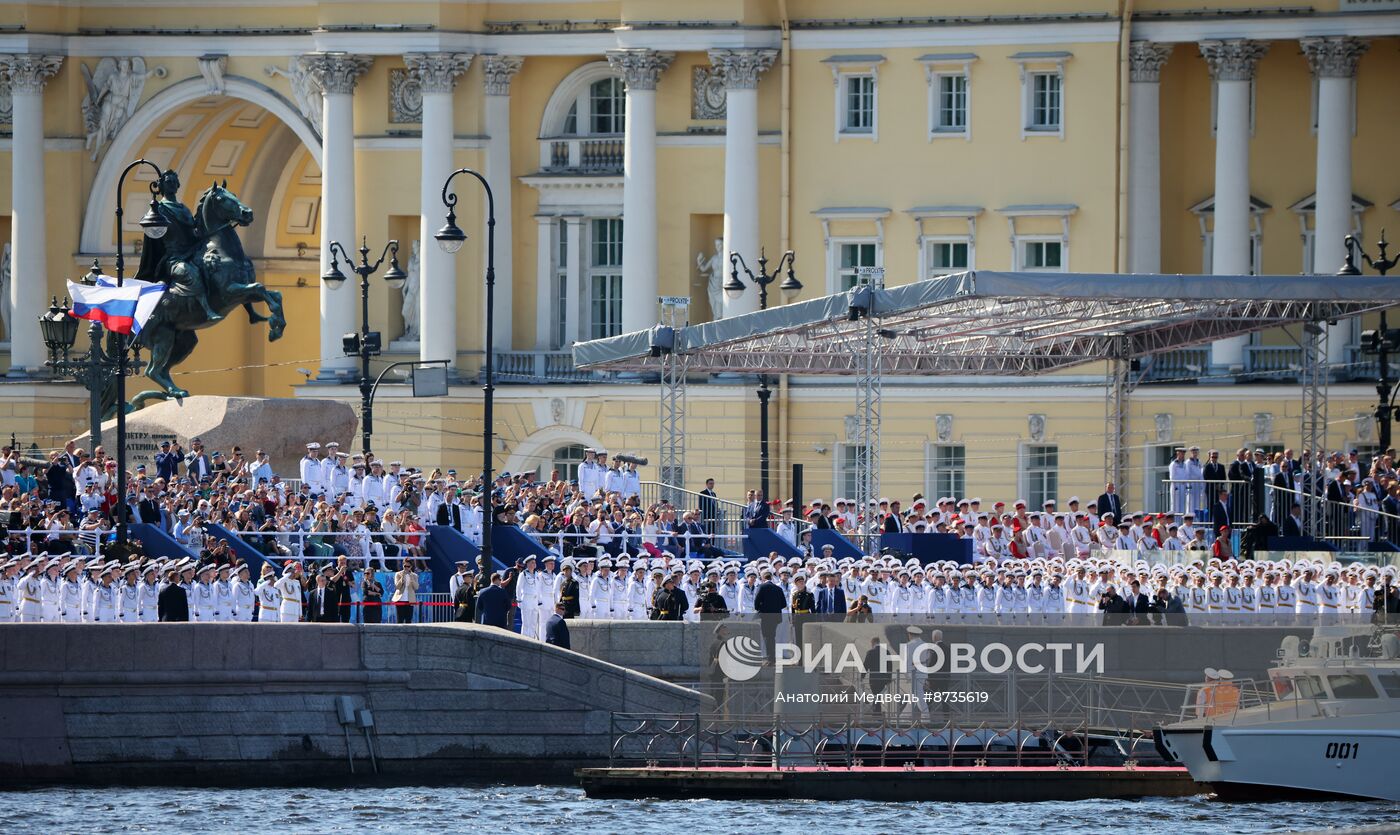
x: 122, y: 340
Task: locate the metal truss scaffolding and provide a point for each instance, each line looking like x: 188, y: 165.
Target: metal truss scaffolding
x: 1119, y: 385
x: 1314, y: 420
x: 671, y: 440
x: 868, y: 423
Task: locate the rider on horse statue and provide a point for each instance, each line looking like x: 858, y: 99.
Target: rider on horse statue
x: 175, y: 258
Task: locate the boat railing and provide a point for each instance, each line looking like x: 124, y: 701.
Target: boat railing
x: 1220, y: 702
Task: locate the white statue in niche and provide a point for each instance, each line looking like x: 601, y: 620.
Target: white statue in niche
x: 411, y: 285
x: 712, y: 267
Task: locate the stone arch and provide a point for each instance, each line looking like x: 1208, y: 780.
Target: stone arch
x: 98, y: 232
x: 551, y: 123
x: 540, y: 445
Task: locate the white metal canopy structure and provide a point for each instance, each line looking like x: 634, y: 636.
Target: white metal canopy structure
x: 1001, y: 323
x: 1007, y: 323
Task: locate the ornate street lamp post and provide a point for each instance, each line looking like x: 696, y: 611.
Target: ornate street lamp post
x: 450, y: 237
x: 1381, y: 341
x: 366, y: 343
x: 734, y: 288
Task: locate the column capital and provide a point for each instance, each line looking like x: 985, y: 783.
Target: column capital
x: 740, y: 68
x: 437, y: 72
x: 1146, y: 59
x: 1234, y: 59
x: 1333, y: 57
x: 335, y: 72
x: 28, y: 73
x: 640, y: 68
x: 500, y: 70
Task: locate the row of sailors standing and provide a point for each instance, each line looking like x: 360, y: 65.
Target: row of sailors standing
x: 596, y: 475
x: 338, y: 473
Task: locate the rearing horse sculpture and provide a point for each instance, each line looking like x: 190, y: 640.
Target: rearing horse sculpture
x: 229, y: 280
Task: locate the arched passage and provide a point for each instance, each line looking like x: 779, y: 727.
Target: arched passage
x: 538, y: 449
x: 98, y: 234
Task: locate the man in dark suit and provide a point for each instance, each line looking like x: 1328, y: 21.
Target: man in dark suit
x: 556, y: 629
x: 493, y: 604
x: 1138, y: 604
x: 757, y: 511
x: 1214, y: 473
x: 168, y: 462
x: 769, y: 601
x: 197, y: 464
x: 894, y: 523
x: 831, y: 598
x: 1115, y: 609
x: 339, y: 585
x: 1293, y: 522
x: 320, y: 601
x: 1220, y: 511
x: 1241, y: 474
x: 173, y: 605
x: 450, y: 514
x: 709, y: 507
x: 1111, y: 502
x: 62, y: 488
x: 147, y: 507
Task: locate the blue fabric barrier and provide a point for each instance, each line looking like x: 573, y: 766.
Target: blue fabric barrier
x: 158, y: 543
x: 250, y: 555
x: 760, y: 542
x: 841, y: 546
x: 511, y: 544
x: 928, y: 547
x: 446, y: 546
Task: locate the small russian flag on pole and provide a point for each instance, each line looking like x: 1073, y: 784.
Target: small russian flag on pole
x: 121, y: 309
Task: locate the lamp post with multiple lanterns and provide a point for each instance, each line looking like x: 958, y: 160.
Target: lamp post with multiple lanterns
x: 1381, y: 341
x: 733, y: 289
x: 366, y: 343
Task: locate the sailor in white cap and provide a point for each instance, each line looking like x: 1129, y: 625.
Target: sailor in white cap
x: 590, y: 474
x: 70, y: 597
x: 311, y: 470
x: 148, y: 594
x: 289, y: 593
x: 241, y: 591
x: 266, y: 594
x: 128, y: 595
x: 1205, y: 695
x: 637, y: 599
x: 528, y: 596
x: 104, y: 600
x: 9, y: 570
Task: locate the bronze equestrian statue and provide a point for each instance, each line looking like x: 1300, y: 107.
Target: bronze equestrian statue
x: 201, y: 260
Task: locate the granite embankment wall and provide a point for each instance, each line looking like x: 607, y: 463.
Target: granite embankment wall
x: 676, y: 651
x: 248, y: 703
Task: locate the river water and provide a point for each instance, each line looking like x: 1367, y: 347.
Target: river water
x: 552, y: 809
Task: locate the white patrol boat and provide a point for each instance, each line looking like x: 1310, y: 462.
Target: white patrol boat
x: 1325, y: 724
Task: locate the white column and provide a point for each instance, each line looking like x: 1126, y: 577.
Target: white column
x: 499, y: 70
x: 1333, y: 62
x: 741, y: 69
x: 575, y: 294
x: 436, y: 74
x: 336, y: 73
x: 544, y: 282
x: 1144, y: 156
x: 640, y: 69
x: 1232, y: 65
x: 26, y: 76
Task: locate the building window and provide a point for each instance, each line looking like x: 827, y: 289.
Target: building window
x: 560, y: 303
x: 948, y: 470
x: 950, y: 111
x: 1046, y: 106
x: 1042, y: 254
x: 848, y: 462
x: 605, y: 278
x: 601, y: 109
x: 851, y: 256
x: 1042, y: 473
x: 566, y: 460
x: 858, y: 103
x: 944, y: 256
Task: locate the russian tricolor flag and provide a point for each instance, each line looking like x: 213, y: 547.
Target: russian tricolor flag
x: 121, y: 309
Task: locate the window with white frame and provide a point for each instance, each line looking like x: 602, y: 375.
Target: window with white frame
x: 950, y: 103
x: 947, y: 254
x: 849, y: 257
x: 605, y: 278
x: 599, y: 110
x: 562, y: 296
x: 1042, y: 473
x: 1045, y: 104
x: 947, y: 470
x: 1041, y: 253
x: 848, y: 460
x: 858, y: 103
x: 566, y: 460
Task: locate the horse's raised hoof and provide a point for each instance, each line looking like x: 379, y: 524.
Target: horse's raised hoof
x: 177, y: 393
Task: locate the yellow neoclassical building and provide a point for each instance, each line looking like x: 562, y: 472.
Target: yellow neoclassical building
x: 631, y: 144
